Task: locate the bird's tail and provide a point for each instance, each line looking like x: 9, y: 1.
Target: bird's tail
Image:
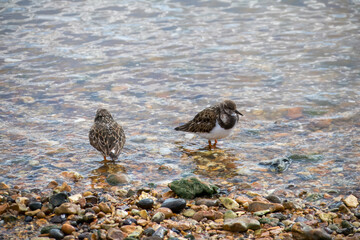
x: 182, y: 128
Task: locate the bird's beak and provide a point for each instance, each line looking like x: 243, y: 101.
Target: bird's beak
x: 237, y: 112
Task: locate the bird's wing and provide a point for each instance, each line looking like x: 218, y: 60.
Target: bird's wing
x: 203, y: 122
x: 98, y: 138
x: 116, y: 139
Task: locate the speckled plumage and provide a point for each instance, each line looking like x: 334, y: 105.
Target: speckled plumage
x: 106, y: 135
x: 214, y: 122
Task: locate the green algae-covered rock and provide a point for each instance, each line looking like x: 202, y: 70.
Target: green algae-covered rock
x: 189, y: 188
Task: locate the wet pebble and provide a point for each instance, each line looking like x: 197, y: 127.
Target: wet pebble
x: 56, y: 233
x: 273, y: 199
x: 114, y: 233
x: 229, y: 214
x: 117, y: 179
x: 351, y: 201
x: 146, y: 203
x: 58, y: 218
x: 149, y: 231
x: 58, y: 199
x: 241, y: 224
x: 229, y: 203
x: 35, y: 205
x: 175, y: 204
x: 67, y: 229
x: 129, y: 221
x: 207, y: 202
x: 28, y: 219
x: 160, y: 232
x: 158, y: 217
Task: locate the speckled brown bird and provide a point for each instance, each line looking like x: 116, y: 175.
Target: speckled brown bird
x: 214, y: 122
x: 106, y: 135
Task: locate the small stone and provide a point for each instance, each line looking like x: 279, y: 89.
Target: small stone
x: 3, y: 208
x: 28, y: 219
x: 149, y: 231
x: 67, y: 229
x: 41, y: 214
x: 260, y: 206
x: 243, y: 200
x: 143, y: 214
x: 56, y: 233
x: 175, y: 204
x: 295, y: 112
x: 271, y: 221
x: 117, y: 179
x: 146, y: 203
x: 129, y: 221
x: 58, y: 199
x: 115, y: 234
x: 158, y: 217
x: 279, y: 216
x: 104, y: 207
x: 346, y: 224
x: 63, y: 188
x: 52, y: 185
x: 160, y: 232
x: 35, y: 205
x: 262, y: 212
x: 189, y: 213
x: 273, y: 199
x: 204, y: 214
x: 189, y: 188
x: 47, y: 229
x: 75, y: 198
x: 302, y: 231
x: 166, y: 211
x: 207, y: 202
x: 32, y: 213
x: 58, y: 218
x: 327, y: 217
x: 121, y: 213
x: 351, y: 201
x: 4, y: 186
x: 67, y: 208
x: 229, y: 203
x: 229, y: 214
x: 241, y: 224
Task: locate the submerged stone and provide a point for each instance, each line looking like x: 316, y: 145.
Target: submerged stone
x: 189, y: 188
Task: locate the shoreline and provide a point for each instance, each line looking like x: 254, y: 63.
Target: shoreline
x: 151, y: 213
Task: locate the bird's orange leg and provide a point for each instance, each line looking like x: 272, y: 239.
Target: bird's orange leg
x: 209, y: 144
x: 105, y: 159
x: 215, y: 143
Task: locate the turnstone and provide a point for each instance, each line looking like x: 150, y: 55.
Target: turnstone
x: 106, y: 135
x: 214, y: 122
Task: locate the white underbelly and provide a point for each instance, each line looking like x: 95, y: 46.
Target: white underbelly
x: 217, y: 133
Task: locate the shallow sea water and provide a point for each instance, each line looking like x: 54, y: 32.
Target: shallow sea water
x: 291, y: 66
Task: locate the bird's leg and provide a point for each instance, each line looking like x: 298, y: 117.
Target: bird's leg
x: 209, y: 144
x: 215, y: 143
x: 105, y: 159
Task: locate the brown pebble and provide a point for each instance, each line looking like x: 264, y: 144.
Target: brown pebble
x: 295, y: 113
x: 3, y: 207
x: 128, y: 228
x: 96, y: 209
x: 67, y: 229
x: 166, y: 211
x: 40, y: 214
x: 104, y: 207
x: 52, y: 185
